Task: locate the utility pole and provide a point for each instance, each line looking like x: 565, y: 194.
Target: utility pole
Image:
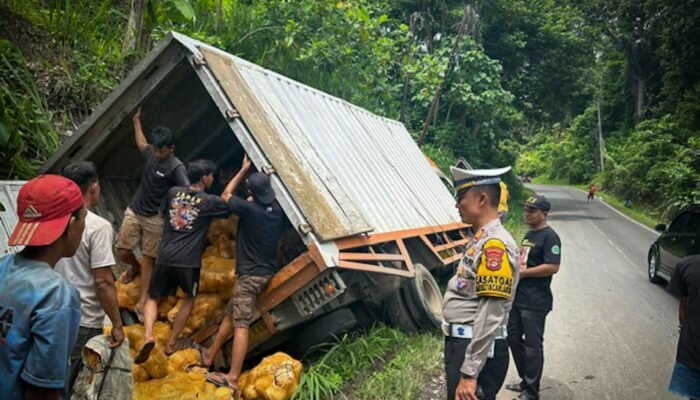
x: 601, y: 146
x: 450, y: 65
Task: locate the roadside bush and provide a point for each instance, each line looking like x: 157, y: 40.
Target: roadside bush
x: 27, y: 136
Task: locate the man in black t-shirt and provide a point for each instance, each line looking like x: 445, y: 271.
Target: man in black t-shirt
x: 260, y: 227
x: 539, y: 259
x: 188, y: 212
x: 142, y: 223
x: 685, y: 282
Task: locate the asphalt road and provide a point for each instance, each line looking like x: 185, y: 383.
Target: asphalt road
x: 612, y: 334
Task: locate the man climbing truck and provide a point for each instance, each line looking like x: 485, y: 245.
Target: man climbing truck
x: 370, y: 214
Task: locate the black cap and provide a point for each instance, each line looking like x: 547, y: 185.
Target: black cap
x: 259, y: 184
x: 538, y: 201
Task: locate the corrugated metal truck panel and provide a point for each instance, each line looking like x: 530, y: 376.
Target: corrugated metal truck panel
x: 369, y: 163
x: 8, y: 213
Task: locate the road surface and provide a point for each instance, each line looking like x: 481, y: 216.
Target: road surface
x: 612, y: 334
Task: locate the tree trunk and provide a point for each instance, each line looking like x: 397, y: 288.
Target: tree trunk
x: 134, y: 27
x: 450, y: 65
x: 640, y: 96
x: 404, y: 102
x: 218, y: 15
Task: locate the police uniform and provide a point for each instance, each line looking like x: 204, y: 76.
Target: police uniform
x: 478, y: 300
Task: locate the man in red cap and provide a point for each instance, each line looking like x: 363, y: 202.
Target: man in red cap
x: 39, y: 309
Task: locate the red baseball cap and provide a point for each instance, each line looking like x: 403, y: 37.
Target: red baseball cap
x: 44, y: 207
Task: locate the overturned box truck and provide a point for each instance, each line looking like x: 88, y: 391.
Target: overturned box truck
x: 372, y: 215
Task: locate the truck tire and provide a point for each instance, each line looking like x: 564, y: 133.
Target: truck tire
x: 398, y: 313
x: 321, y: 330
x: 424, y: 300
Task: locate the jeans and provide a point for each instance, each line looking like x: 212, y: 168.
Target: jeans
x: 685, y: 382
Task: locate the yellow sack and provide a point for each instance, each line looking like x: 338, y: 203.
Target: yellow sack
x: 140, y: 374
x: 135, y: 335
x: 157, y: 363
x: 128, y: 294
x: 219, y: 227
x: 166, y: 304
x: 275, y: 378
x: 207, y: 306
x: 182, y: 360
x: 222, y: 247
x: 177, y: 386
x: 162, y: 332
x: 217, y: 274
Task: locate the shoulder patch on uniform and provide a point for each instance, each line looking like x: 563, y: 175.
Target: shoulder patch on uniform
x: 494, y: 276
x: 556, y: 250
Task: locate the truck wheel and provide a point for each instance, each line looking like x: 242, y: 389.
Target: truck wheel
x: 424, y: 300
x: 398, y: 313
x: 322, y: 330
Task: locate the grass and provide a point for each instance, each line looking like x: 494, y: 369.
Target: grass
x: 345, y: 360
x: 637, y: 212
x: 418, y: 360
x: 516, y: 214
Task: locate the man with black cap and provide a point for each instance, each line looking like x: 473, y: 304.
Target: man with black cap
x: 260, y: 226
x: 540, y: 256
x: 479, y: 295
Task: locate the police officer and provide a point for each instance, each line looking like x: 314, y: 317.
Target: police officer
x: 479, y: 296
x: 539, y: 259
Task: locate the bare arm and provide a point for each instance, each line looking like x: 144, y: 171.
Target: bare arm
x: 540, y: 271
x: 236, y: 180
x: 32, y: 392
x: 683, y: 311
x: 140, y: 137
x: 107, y: 297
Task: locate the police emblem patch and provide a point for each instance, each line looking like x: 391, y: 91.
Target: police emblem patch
x: 493, y: 256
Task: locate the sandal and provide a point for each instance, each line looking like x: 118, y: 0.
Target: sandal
x: 219, y: 379
x: 182, y: 343
x: 144, y: 353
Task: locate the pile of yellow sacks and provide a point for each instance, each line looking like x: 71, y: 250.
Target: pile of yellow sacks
x: 179, y: 376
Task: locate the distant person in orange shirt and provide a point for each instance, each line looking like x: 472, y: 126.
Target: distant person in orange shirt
x: 591, y: 192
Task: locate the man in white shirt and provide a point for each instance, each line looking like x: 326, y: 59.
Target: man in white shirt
x: 89, y: 270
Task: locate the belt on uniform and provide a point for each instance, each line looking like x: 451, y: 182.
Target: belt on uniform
x: 465, y: 331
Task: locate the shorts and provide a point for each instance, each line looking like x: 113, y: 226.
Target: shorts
x: 166, y: 280
x: 685, y: 382
x: 242, y: 305
x: 140, y: 228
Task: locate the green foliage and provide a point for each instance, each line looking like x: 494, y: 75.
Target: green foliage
x: 415, y: 362
x: 658, y: 164
x: 344, y: 360
x: 27, y: 136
